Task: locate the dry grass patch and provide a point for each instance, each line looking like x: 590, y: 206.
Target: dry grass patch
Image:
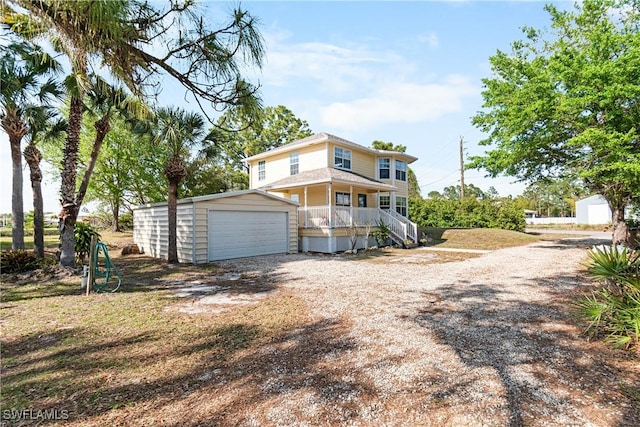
x: 96, y: 356
x: 484, y: 238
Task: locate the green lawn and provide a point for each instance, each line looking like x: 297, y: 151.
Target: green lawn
x: 482, y: 238
x: 50, y: 242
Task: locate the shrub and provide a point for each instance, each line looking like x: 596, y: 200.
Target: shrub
x: 614, y: 309
x: 467, y: 213
x: 381, y: 233
x: 18, y: 261
x: 83, y: 233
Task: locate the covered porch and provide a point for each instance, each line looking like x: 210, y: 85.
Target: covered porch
x: 333, y: 201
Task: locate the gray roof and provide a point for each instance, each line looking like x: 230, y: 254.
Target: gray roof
x: 326, y: 175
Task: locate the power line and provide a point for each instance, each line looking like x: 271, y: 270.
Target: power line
x: 440, y: 180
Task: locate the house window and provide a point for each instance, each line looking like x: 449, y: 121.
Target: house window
x: 385, y: 202
x: 293, y: 163
x: 261, y: 170
x: 401, y: 170
x: 342, y: 158
x: 343, y: 199
x: 401, y: 205
x: 383, y: 167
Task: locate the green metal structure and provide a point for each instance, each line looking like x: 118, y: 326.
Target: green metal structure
x: 106, y: 277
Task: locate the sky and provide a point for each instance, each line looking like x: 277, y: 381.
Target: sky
x: 403, y: 72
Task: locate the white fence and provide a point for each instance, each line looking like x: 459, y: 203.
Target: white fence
x: 552, y: 220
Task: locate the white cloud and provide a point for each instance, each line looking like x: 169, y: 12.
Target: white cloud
x: 400, y: 102
x: 430, y: 40
x: 329, y: 68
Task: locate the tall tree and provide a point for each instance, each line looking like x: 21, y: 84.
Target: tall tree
x: 179, y: 130
x: 102, y: 101
x: 452, y: 192
x: 45, y: 123
x: 138, y: 42
x: 126, y: 161
x: 566, y: 103
x: 25, y: 97
x: 260, y: 131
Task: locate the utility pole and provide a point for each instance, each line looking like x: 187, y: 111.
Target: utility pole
x: 461, y: 168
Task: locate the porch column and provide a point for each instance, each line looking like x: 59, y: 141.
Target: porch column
x: 392, y: 201
x: 330, y: 219
x: 351, y: 205
x: 306, y: 209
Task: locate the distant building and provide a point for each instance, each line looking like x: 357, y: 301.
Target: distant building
x: 593, y: 210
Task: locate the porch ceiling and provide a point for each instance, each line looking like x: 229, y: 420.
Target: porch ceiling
x: 325, y: 176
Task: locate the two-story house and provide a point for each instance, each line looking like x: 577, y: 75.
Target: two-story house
x: 338, y: 185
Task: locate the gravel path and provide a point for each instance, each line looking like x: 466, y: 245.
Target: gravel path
x: 486, y: 341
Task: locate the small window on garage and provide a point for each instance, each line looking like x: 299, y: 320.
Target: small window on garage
x: 261, y: 171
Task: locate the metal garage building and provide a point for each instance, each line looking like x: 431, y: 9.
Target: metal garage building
x: 220, y: 226
x: 593, y: 210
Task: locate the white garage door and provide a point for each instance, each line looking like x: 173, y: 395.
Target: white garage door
x: 237, y: 234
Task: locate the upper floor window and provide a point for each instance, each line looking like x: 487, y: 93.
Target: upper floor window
x: 261, y: 170
x: 401, y: 170
x: 383, y: 168
x: 343, y: 199
x: 293, y: 163
x: 342, y: 158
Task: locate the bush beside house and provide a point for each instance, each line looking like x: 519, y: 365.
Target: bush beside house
x: 467, y: 213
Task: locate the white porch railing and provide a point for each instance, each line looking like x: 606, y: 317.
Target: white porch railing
x: 345, y: 216
x: 412, y: 227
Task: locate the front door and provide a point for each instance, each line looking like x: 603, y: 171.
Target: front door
x: 362, y: 200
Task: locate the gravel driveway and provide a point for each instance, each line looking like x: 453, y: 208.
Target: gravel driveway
x: 485, y: 341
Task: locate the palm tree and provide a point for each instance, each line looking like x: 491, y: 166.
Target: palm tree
x: 23, y: 97
x: 136, y: 42
x: 102, y: 101
x: 179, y: 130
x: 44, y: 123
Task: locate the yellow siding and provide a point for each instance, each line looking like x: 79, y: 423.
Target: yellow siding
x: 316, y: 196
x: 362, y: 163
x: 278, y: 165
x: 313, y: 157
x: 403, y: 188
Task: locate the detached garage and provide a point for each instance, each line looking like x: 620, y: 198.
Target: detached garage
x: 220, y: 226
x: 593, y: 210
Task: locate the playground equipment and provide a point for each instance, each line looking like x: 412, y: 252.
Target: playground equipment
x: 106, y: 276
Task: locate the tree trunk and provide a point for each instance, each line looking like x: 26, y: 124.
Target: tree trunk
x: 16, y: 129
x: 102, y: 128
x: 175, y: 172
x: 115, y: 210
x: 70, y: 210
x: 33, y: 157
x: 621, y: 235
x: 172, y: 257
